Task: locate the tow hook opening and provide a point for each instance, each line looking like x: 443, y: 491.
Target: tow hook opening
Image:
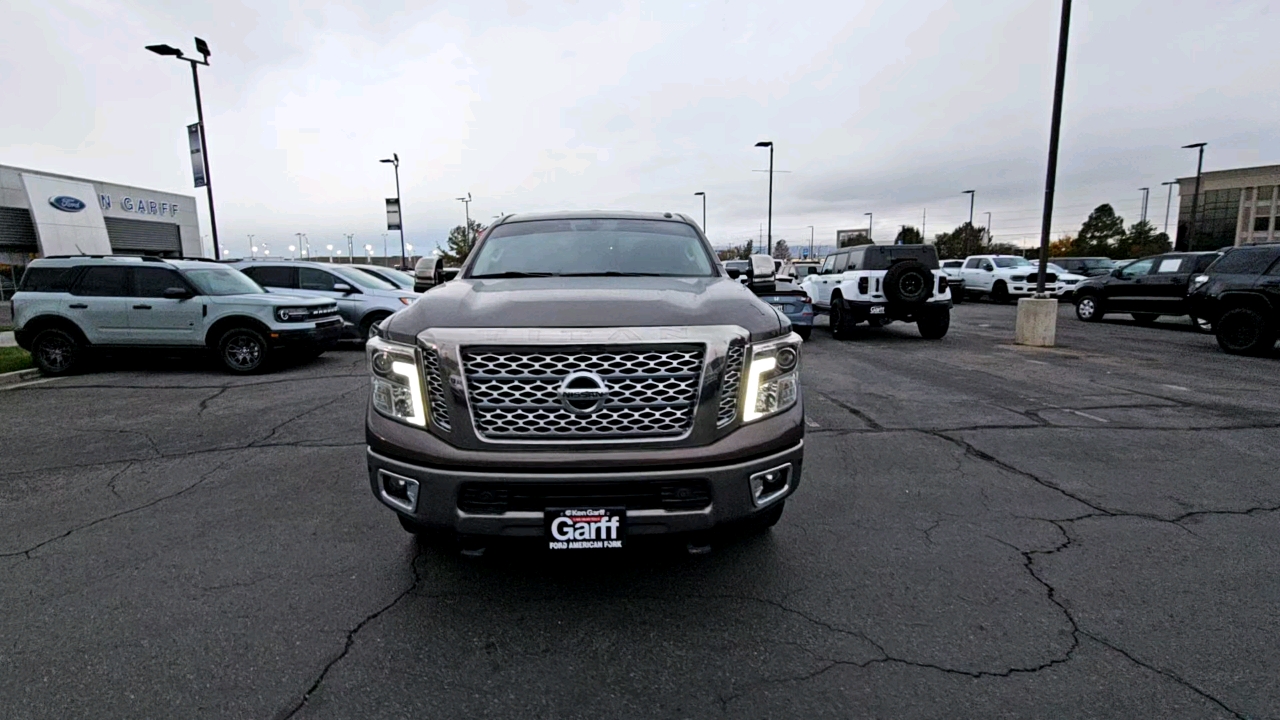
x: 402, y: 492
x: 771, y: 484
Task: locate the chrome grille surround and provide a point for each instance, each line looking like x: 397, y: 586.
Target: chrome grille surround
x: 730, y: 385
x: 438, y: 407
x: 515, y: 393
x: 459, y: 395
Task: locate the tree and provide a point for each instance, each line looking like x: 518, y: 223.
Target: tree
x: 908, y: 235
x: 780, y: 250
x: 964, y: 241
x: 1002, y: 249
x: 1143, y: 240
x: 737, y: 252
x: 1062, y: 247
x: 1100, y: 232
x: 460, y: 244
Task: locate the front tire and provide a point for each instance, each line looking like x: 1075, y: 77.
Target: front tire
x: 933, y: 326
x: 804, y: 331
x: 243, y: 350
x: 369, y: 325
x: 1245, y: 331
x: 1000, y: 293
x: 56, y: 352
x: 1088, y: 309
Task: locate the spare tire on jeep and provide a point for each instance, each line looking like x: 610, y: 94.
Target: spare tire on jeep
x: 908, y: 282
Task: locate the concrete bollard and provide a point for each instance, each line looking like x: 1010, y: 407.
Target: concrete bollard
x: 1037, y: 322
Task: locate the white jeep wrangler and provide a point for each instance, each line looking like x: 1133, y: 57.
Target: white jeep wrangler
x: 878, y: 284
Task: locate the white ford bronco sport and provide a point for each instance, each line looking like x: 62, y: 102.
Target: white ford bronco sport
x: 68, y: 306
x: 878, y: 284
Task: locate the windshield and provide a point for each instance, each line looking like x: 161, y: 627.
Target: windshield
x: 395, y: 277
x: 592, y: 247
x: 1008, y: 262
x: 222, y: 281
x: 1098, y: 263
x: 364, y: 279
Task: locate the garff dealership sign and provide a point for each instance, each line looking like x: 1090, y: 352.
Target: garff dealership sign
x: 138, y: 205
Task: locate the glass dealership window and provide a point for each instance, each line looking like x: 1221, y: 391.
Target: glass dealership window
x: 1264, y: 192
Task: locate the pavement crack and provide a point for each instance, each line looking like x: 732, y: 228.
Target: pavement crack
x: 851, y: 409
x: 351, y: 639
x: 333, y: 401
x: 204, y: 404
x: 27, y: 553
x: 1166, y: 673
x: 111, y: 483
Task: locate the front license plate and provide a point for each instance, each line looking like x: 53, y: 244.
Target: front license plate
x: 877, y: 309
x: 585, y: 528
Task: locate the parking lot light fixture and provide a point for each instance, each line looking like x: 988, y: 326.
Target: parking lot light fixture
x: 1190, y: 244
x: 971, y: 195
x: 704, y: 210
x: 769, y: 144
x: 202, y: 47
x: 871, y: 224
x: 330, y: 249
x: 1168, y: 203
x: 293, y: 251
x: 394, y: 161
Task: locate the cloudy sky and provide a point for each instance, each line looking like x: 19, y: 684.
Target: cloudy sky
x: 886, y: 107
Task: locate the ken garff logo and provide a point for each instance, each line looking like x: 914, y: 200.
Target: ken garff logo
x: 583, y: 392
x: 66, y: 203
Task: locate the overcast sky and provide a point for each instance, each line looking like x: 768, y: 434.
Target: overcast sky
x: 884, y: 107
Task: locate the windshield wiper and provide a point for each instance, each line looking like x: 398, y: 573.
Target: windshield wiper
x: 513, y: 274
x: 612, y: 273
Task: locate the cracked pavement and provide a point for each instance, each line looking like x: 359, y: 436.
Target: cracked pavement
x: 982, y: 531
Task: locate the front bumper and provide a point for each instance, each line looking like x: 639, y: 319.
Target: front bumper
x: 324, y: 335
x: 436, y: 504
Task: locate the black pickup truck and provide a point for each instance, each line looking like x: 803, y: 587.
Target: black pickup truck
x: 586, y: 378
x: 1145, y: 288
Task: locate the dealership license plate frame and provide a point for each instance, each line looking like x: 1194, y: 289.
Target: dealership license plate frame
x: 583, y: 515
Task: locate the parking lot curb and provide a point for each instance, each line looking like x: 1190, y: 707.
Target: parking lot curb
x: 18, y: 376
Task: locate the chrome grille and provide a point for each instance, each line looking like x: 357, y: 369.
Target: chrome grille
x: 435, y: 389
x: 652, y: 392
x: 729, y: 385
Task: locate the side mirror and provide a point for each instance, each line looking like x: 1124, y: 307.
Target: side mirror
x: 1116, y: 272
x: 733, y: 273
x: 177, y: 293
x: 343, y: 288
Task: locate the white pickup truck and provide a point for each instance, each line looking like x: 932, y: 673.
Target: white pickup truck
x: 1003, y: 277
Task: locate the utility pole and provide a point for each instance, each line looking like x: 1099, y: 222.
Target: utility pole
x: 1168, y: 203
x: 1146, y: 193
x: 988, y: 227
x: 810, y: 242
x: 1195, y: 199
x: 924, y: 216
x: 871, y: 224
x: 466, y: 230
x: 971, y: 195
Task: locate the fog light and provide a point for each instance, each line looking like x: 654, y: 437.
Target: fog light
x: 399, y: 491
x: 770, y: 485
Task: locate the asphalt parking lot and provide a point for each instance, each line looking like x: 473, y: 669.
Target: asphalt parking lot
x: 983, y: 530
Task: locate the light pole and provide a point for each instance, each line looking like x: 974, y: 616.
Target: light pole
x: 988, y: 227
x: 1168, y: 203
x: 1195, y: 198
x: 293, y: 251
x: 810, y: 242
x: 253, y: 249
x: 203, y: 48
x: 1051, y: 174
x: 351, y: 250
x: 704, y: 211
x: 871, y: 225
x: 384, y: 245
x: 330, y: 249
x: 368, y: 252
x: 769, y: 144
x: 971, y: 195
x: 466, y: 229
x: 1146, y: 193
x: 395, y: 162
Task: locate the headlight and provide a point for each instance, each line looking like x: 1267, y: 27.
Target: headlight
x: 1019, y: 278
x: 773, y: 376
x: 1199, y: 280
x: 406, y: 300
x: 397, y: 384
x: 292, y: 314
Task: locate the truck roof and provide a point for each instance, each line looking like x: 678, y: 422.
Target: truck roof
x: 596, y: 215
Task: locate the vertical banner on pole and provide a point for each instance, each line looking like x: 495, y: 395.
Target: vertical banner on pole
x: 393, y: 213
x: 197, y: 154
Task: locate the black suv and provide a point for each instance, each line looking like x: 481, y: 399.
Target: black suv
x: 1240, y: 295
x: 1087, y: 266
x: 1146, y: 288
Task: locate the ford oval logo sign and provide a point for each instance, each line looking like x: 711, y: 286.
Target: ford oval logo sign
x: 66, y: 203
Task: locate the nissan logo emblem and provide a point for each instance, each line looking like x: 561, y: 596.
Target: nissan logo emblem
x: 583, y: 393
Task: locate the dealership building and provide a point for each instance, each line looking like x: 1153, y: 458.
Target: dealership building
x: 1236, y: 207
x: 44, y: 214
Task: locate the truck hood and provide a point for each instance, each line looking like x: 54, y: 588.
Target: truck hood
x: 583, y: 302
x: 269, y: 299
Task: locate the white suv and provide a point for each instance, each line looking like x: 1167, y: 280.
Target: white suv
x: 68, y: 306
x: 1003, y: 277
x: 878, y: 284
